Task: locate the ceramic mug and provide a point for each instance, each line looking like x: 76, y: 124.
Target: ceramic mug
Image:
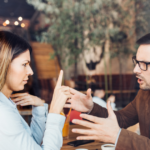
x: 108, y: 147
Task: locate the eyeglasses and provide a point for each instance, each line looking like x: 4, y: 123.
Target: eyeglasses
x: 143, y: 65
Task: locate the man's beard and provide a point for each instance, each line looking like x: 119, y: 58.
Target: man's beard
x: 145, y: 88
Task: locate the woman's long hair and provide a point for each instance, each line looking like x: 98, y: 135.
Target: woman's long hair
x: 11, y: 46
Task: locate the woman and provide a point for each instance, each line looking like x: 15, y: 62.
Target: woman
x: 45, y: 128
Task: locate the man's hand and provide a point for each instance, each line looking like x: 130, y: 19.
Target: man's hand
x: 79, y: 101
x: 102, y: 129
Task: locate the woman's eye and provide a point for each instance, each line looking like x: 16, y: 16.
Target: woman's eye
x: 24, y: 65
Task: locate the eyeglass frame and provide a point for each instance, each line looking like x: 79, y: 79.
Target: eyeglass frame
x: 137, y: 62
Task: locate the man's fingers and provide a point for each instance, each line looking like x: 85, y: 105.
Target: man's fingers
x: 110, y: 111
x: 59, y: 81
x: 83, y: 123
x: 65, y: 88
x: 67, y: 106
x: 68, y: 96
x: 93, y: 118
x: 89, y: 93
x: 67, y: 93
x: 87, y: 137
x: 73, y: 91
x: 83, y: 131
x: 68, y: 101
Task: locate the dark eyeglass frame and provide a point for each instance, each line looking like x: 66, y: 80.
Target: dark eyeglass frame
x: 138, y: 62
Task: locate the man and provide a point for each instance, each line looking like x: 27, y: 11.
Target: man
x: 109, y: 126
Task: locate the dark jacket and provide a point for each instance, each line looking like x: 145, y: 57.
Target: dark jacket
x: 136, y: 111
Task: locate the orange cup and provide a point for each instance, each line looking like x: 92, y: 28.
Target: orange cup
x: 65, y: 131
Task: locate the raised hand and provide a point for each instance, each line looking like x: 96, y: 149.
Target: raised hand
x: 102, y: 129
x: 60, y: 96
x: 25, y: 99
x: 79, y: 101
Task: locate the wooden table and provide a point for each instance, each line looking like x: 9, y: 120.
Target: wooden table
x: 72, y: 137
x: 25, y: 112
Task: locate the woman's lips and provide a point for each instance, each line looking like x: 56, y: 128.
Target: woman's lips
x: 25, y: 81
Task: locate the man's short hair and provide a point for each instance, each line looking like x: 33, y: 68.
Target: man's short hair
x: 144, y: 39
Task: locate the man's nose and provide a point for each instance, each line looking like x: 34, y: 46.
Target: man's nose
x: 137, y: 69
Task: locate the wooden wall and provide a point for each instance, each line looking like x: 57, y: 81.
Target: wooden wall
x: 46, y: 68
x: 124, y: 92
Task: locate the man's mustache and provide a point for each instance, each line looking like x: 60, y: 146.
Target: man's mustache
x: 140, y: 77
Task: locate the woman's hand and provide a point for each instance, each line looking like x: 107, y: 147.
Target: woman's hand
x: 60, y: 96
x: 25, y: 99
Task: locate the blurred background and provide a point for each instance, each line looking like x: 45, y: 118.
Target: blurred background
x: 93, y: 41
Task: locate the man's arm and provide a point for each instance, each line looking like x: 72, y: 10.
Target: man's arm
x: 131, y: 141
x: 84, y: 103
x: 107, y: 130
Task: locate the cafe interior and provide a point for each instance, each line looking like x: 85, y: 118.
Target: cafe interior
x: 91, y: 41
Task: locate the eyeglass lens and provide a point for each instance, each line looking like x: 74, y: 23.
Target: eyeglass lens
x: 142, y: 65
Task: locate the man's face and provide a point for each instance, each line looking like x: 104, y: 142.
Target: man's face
x: 143, y: 54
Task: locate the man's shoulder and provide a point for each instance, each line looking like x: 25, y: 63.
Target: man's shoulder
x: 143, y: 96
x: 143, y: 92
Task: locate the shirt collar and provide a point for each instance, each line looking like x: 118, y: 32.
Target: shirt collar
x: 6, y: 101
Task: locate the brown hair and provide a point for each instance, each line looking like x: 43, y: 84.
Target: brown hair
x: 11, y: 46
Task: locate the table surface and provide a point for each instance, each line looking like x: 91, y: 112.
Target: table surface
x: 72, y: 137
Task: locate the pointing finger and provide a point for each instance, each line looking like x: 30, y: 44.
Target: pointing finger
x: 59, y: 81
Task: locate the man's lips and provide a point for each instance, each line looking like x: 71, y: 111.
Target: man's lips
x: 140, y: 81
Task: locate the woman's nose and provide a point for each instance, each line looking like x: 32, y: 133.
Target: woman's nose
x: 30, y: 71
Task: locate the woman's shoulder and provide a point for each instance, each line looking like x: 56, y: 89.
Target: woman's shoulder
x: 6, y: 112
x: 10, y: 121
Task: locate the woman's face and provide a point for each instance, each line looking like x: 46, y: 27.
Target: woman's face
x: 18, y: 72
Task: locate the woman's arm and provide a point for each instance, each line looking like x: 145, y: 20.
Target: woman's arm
x: 38, y: 122
x: 39, y: 113
x: 13, y: 135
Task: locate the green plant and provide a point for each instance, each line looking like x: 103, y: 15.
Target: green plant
x: 77, y: 25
